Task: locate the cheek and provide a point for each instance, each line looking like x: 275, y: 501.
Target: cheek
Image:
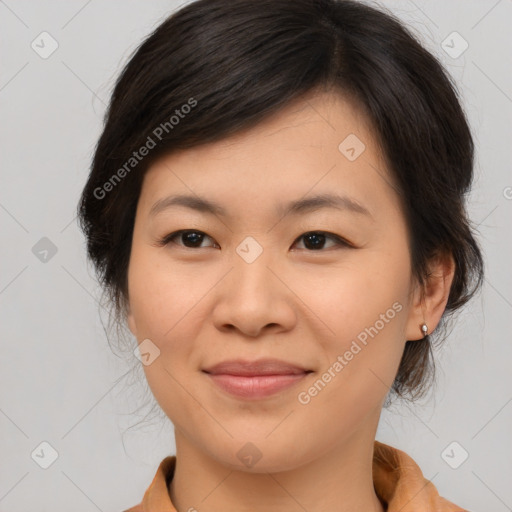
x: 167, y: 307
x: 172, y: 323
x: 364, y: 308
x: 164, y: 298
x: 367, y: 290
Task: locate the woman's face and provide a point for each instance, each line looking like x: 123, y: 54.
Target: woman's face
x: 252, y: 282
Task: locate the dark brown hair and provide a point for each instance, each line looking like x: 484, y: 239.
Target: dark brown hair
x: 216, y: 67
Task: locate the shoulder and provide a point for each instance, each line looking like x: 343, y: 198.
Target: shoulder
x: 400, y: 483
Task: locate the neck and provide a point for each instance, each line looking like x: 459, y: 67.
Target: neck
x: 337, y: 481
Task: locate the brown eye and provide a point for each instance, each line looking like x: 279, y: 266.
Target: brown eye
x: 315, y: 240
x: 187, y: 238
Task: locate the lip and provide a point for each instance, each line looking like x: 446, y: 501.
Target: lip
x: 255, y: 379
x: 255, y: 368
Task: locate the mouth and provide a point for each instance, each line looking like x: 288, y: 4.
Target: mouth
x: 255, y: 379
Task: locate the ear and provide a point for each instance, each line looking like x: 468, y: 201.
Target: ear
x: 429, y: 299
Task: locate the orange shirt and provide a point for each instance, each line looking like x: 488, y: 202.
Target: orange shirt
x: 397, y: 479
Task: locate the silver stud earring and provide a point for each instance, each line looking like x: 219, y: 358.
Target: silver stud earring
x: 424, y: 329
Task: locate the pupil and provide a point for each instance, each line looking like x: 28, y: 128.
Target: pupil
x: 312, y: 241
x: 316, y: 239
x: 193, y: 238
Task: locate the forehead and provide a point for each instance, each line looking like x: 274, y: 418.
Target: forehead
x: 317, y: 144
x: 317, y: 120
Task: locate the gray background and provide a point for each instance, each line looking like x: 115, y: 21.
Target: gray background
x: 60, y: 382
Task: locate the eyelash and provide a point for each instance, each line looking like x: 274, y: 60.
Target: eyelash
x: 170, y: 239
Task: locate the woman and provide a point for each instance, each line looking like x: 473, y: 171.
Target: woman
x: 276, y: 208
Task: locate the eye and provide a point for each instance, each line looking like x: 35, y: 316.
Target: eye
x: 193, y: 239
x: 189, y: 238
x: 315, y: 240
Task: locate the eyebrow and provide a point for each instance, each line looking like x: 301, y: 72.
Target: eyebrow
x: 298, y: 207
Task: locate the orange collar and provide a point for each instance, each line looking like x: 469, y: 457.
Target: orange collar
x: 397, y: 479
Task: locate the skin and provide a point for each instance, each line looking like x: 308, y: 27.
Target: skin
x: 203, y: 305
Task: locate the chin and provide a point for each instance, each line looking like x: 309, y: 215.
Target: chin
x: 262, y: 456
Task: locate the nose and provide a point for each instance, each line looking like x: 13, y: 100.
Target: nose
x: 254, y: 298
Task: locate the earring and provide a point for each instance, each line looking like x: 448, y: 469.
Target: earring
x: 424, y: 329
